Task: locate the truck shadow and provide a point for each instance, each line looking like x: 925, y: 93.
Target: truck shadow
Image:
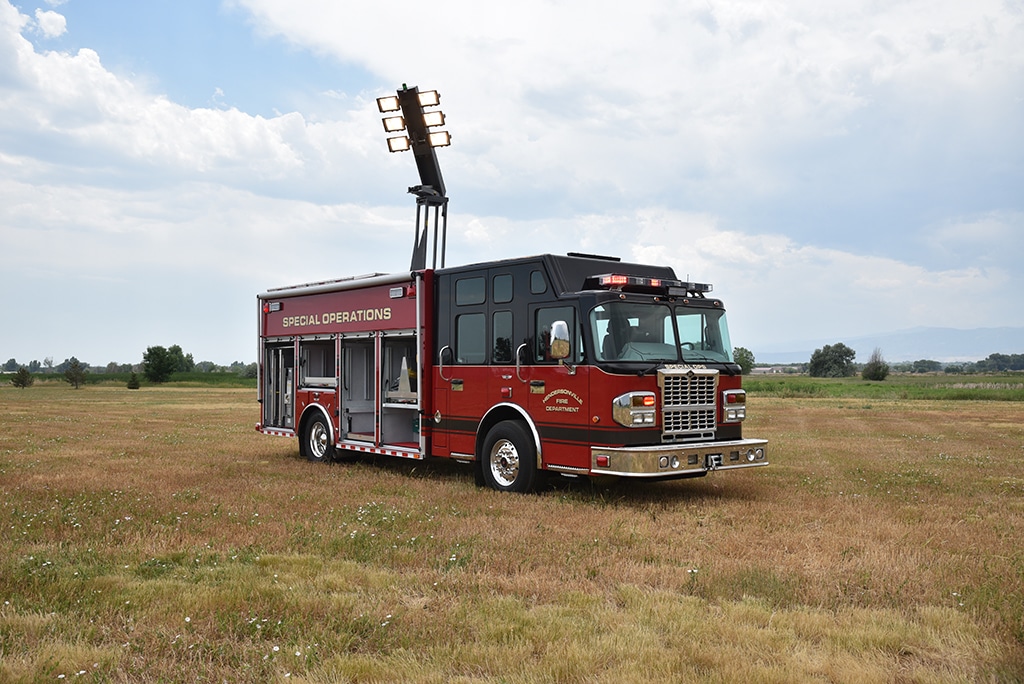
x: 598, y: 491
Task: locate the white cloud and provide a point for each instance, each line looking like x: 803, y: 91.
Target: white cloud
x: 661, y: 132
x: 51, y: 24
x: 780, y: 291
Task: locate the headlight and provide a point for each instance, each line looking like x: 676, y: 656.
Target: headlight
x: 634, y: 409
x: 734, y: 405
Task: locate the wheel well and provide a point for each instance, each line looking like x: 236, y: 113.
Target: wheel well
x: 501, y: 413
x: 311, y: 411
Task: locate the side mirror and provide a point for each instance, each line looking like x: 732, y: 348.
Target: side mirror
x: 560, y: 347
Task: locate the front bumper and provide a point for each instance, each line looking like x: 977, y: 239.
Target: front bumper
x: 678, y: 460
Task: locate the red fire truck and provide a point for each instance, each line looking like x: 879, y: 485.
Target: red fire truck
x: 580, y: 365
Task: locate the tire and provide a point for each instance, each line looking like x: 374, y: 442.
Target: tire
x: 509, y: 458
x: 315, y: 443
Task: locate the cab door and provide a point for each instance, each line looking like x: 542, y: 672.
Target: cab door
x: 558, y: 390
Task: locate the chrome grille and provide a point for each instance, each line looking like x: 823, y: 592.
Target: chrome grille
x: 688, y: 403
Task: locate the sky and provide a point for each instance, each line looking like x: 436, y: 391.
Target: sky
x: 834, y: 169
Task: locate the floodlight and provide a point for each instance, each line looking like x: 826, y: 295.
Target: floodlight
x: 439, y: 139
x: 434, y: 118
x: 399, y: 143
x: 429, y: 98
x: 393, y: 124
x: 388, y: 104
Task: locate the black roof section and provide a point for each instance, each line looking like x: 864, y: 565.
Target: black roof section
x: 570, y: 271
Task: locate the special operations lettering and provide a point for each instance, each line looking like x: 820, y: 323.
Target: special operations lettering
x: 328, y: 317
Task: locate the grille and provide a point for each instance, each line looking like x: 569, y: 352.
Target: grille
x: 688, y: 404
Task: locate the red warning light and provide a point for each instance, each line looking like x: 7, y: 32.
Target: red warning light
x: 615, y: 280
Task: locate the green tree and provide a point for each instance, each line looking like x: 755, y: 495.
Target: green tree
x: 11, y: 365
x: 745, y: 358
x: 74, y: 373
x: 876, y: 368
x: 183, y: 362
x: 22, y: 378
x: 832, y: 361
x: 62, y: 367
x: 158, y: 364
x: 926, y: 366
x: 133, y: 382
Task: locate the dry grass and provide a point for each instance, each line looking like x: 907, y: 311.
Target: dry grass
x: 155, y: 536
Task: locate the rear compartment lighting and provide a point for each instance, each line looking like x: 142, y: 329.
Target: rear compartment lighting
x: 271, y: 307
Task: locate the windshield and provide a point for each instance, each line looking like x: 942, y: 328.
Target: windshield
x: 640, y: 331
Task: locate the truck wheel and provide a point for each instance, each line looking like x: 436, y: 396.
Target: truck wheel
x: 315, y: 444
x: 510, y: 459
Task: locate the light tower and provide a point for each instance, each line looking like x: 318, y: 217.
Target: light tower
x: 421, y: 125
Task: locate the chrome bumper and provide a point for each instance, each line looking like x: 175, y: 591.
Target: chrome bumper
x: 678, y: 460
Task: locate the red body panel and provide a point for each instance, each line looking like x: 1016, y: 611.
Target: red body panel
x: 354, y: 310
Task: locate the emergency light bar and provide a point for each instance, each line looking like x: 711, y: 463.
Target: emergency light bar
x: 618, y: 281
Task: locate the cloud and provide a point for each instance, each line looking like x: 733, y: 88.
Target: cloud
x: 829, y: 168
x: 51, y: 24
x: 779, y: 290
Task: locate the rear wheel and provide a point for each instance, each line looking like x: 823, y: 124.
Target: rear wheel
x: 510, y: 458
x: 315, y: 443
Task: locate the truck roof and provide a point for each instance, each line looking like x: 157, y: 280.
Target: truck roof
x: 570, y: 271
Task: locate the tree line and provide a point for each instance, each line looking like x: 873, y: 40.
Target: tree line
x: 159, y: 364
x: 837, y: 361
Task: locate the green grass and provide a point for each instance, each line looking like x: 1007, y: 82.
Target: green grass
x: 153, y: 535
x: 194, y: 379
x: 1008, y: 387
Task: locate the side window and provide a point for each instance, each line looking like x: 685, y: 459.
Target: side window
x: 543, y: 320
x: 501, y: 288
x: 469, y: 291
x: 501, y: 326
x: 470, y: 336
x: 538, y: 284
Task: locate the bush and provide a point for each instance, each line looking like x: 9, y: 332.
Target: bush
x: 22, y: 378
x: 876, y: 368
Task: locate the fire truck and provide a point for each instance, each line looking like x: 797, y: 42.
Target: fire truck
x: 577, y: 364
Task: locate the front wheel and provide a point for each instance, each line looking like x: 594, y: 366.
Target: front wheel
x: 315, y: 443
x: 509, y: 458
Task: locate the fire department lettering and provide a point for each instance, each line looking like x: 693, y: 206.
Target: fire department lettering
x: 328, y: 317
x: 561, y: 401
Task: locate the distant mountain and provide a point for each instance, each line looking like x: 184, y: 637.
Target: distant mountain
x: 936, y: 344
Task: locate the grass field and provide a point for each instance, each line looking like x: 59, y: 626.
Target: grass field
x: 153, y: 535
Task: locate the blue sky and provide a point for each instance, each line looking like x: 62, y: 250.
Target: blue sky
x: 835, y: 170
x: 201, y: 54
